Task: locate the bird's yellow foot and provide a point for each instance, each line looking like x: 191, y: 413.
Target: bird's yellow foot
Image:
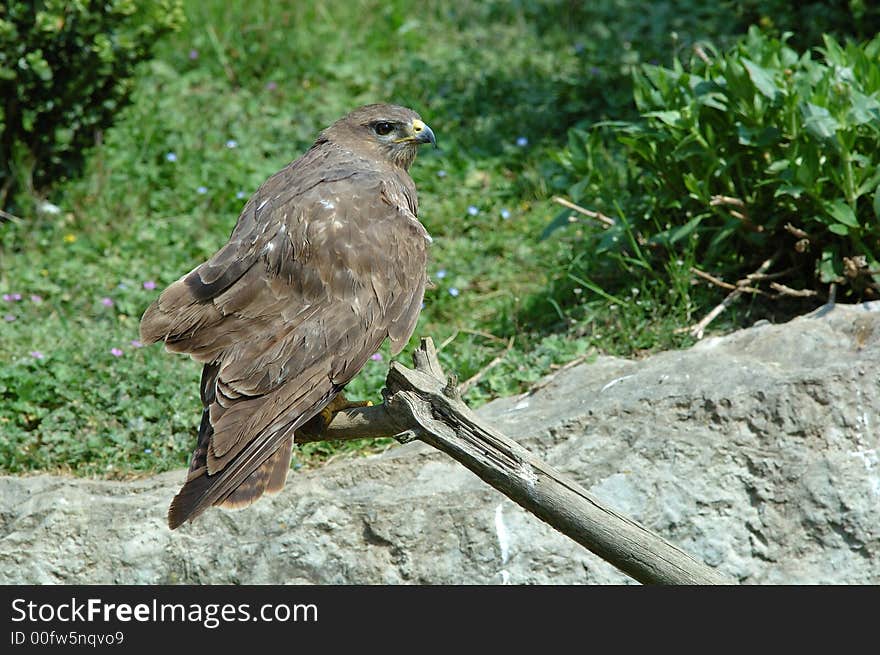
x: 339, y: 403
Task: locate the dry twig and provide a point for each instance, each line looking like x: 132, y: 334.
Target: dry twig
x: 742, y: 214
x: 698, y: 50
x: 471, y: 381
x: 742, y: 285
x: 796, y: 231
x: 548, y: 379
x: 797, y: 293
x: 599, y: 216
x: 698, y: 329
x: 6, y: 216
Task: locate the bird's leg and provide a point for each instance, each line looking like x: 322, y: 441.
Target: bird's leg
x: 319, y: 422
x: 339, y: 403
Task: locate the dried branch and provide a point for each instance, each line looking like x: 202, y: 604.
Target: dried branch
x: 471, y: 381
x: 788, y: 291
x: 599, y: 216
x: 423, y: 404
x: 698, y: 50
x: 548, y: 379
x: 742, y: 285
x: 698, y: 329
x: 796, y: 231
x: 742, y: 214
x: 12, y: 218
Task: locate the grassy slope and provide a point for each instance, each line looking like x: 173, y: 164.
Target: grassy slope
x: 239, y: 93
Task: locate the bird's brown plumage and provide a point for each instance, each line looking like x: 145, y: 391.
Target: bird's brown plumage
x: 326, y: 261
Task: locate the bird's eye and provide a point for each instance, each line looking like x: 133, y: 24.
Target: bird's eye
x: 383, y: 128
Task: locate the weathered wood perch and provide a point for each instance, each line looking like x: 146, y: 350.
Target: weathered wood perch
x: 422, y: 404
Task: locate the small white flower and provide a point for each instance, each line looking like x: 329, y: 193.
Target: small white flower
x: 48, y: 208
x: 232, y: 143
x: 453, y: 291
x: 240, y: 195
x: 171, y: 156
x: 522, y: 142
x: 505, y: 214
x: 441, y: 173
x: 473, y: 210
x: 202, y: 190
x: 441, y: 273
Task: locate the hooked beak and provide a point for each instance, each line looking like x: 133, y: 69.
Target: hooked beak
x: 422, y: 133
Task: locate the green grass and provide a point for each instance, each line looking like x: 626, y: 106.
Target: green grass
x: 244, y: 89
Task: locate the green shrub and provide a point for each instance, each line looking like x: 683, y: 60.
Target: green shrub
x: 66, y: 67
x: 808, y: 21
x: 750, y: 153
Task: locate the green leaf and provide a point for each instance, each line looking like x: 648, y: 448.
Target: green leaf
x: 692, y: 184
x: 762, y: 79
x: 760, y: 137
x: 818, y: 121
x: 827, y: 267
x: 560, y: 221
x: 877, y: 202
x: 842, y: 213
x: 865, y: 109
x: 838, y: 228
x: 672, y: 118
x: 683, y: 231
x: 793, y: 190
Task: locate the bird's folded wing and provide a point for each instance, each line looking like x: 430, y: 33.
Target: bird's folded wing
x: 284, y: 316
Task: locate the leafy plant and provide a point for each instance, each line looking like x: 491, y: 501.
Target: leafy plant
x: 756, y: 151
x: 808, y: 21
x: 65, y: 70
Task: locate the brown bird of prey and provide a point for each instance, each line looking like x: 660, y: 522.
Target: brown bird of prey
x: 327, y: 259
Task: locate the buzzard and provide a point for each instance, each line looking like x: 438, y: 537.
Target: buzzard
x: 327, y: 259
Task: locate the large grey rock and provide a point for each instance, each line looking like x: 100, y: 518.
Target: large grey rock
x: 757, y: 452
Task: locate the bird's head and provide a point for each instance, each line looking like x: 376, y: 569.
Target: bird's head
x: 388, y: 132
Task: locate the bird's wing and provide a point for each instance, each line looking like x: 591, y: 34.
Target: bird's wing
x: 286, y: 314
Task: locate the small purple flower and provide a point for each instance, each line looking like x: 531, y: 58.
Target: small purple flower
x: 376, y: 357
x: 271, y: 86
x: 232, y: 143
x: 36, y: 299
x: 116, y: 352
x: 16, y: 297
x: 522, y: 142
x: 202, y: 190
x: 473, y: 210
x: 171, y: 157
x: 136, y: 344
x: 594, y: 70
x: 453, y: 291
x: 193, y: 54
x: 441, y: 273
x: 107, y: 302
x: 9, y: 318
x: 7, y: 297
x: 36, y: 354
x: 505, y: 214
x: 441, y: 173
x: 149, y: 285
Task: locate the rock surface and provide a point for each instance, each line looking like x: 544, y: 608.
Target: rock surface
x: 756, y: 452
